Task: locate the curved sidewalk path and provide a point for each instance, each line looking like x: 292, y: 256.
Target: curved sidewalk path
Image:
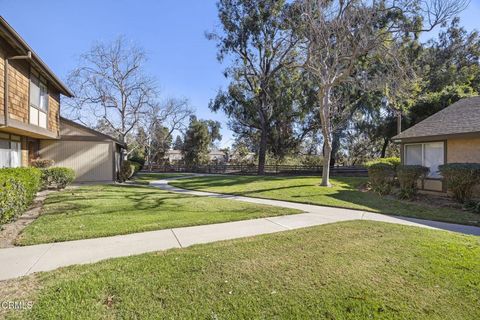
x: 20, y: 261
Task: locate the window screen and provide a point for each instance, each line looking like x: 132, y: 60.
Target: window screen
x: 433, y: 157
x: 10, y: 154
x: 43, y: 97
x: 38, y: 101
x: 413, y: 154
x: 4, y: 153
x: 429, y: 155
x: 34, y: 91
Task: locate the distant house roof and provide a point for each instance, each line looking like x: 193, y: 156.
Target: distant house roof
x: 461, y: 118
x: 95, y: 132
x: 216, y: 152
x: 212, y: 152
x: 21, y: 46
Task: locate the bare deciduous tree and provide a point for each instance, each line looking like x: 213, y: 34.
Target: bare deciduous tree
x: 341, y: 35
x: 111, y: 85
x: 172, y: 116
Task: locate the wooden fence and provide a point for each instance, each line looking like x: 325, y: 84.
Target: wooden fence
x: 253, y: 169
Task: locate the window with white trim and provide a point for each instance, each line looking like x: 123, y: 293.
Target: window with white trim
x: 10, y: 154
x: 38, y: 100
x: 430, y: 155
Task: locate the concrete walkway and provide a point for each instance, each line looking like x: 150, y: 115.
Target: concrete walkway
x: 20, y: 261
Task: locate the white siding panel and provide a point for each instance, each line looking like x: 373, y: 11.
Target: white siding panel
x: 33, y: 116
x: 91, y: 160
x: 42, y: 119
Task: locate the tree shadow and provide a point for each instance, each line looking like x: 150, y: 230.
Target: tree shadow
x: 80, y: 202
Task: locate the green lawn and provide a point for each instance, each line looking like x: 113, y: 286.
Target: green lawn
x: 344, y: 193
x: 145, y: 178
x: 349, y: 270
x: 98, y: 211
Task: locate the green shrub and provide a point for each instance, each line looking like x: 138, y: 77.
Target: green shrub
x: 42, y: 163
x: 393, y: 161
x: 137, y: 166
x: 57, y: 177
x: 473, y: 206
x: 461, y: 178
x: 381, y: 176
x: 127, y: 170
x: 18, y: 187
x: 408, y: 176
x: 137, y: 159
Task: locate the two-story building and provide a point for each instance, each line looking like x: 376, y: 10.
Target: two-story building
x: 30, y: 123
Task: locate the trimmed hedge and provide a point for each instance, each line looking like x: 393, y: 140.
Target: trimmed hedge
x: 461, y: 178
x: 381, y: 177
x: 18, y: 187
x: 126, y: 171
x: 57, y: 177
x: 408, y: 176
x: 392, y: 161
x: 137, y: 159
x: 42, y: 163
x: 473, y: 206
x: 137, y: 166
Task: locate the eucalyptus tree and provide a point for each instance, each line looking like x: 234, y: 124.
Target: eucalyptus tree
x: 258, y: 43
x: 452, y: 59
x: 341, y: 34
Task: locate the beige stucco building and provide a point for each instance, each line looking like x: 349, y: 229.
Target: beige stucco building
x: 452, y: 135
x: 30, y: 124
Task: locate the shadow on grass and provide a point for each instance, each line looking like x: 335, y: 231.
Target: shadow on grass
x: 345, y: 194
x: 86, y: 201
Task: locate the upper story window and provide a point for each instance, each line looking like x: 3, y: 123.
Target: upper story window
x: 38, y: 100
x: 430, y: 155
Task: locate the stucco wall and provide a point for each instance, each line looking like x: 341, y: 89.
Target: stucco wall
x: 463, y: 150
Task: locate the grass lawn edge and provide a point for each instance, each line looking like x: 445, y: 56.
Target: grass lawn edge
x: 324, y: 205
x: 23, y: 242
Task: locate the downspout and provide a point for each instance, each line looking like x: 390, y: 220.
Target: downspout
x: 28, y: 56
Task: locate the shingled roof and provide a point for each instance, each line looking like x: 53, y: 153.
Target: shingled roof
x: 460, y: 118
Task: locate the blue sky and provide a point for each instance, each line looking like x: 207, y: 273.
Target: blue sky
x: 171, y: 31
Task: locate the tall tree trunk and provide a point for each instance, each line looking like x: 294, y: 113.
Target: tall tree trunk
x: 327, y: 154
x: 399, y: 122
x: 262, y: 152
x: 324, y: 106
x: 384, y: 148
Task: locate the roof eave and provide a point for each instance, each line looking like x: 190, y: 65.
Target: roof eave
x: 8, y: 29
x: 71, y: 122
x: 440, y: 137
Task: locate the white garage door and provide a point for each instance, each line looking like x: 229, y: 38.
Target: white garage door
x: 91, y: 160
